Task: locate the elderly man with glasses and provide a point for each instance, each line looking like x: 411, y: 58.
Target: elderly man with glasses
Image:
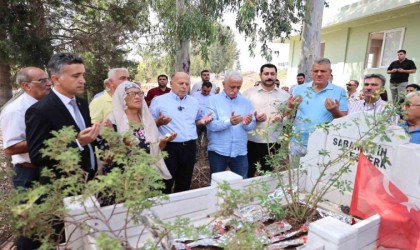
x: 411, y: 113
x: 36, y: 85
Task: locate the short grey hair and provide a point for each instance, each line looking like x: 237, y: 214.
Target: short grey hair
x: 323, y: 61
x: 57, y: 62
x: 233, y: 75
x: 111, y: 72
x: 106, y: 81
x: 379, y: 76
x: 413, y: 94
x: 22, y: 76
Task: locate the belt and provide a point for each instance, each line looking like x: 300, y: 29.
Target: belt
x: 184, y: 143
x: 26, y: 165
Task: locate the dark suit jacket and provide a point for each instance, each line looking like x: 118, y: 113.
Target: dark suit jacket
x: 47, y: 115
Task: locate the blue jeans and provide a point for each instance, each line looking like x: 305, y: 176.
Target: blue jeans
x: 219, y: 163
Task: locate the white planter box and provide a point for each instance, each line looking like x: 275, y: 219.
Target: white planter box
x: 200, y: 204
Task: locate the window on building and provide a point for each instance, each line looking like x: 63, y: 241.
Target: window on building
x: 322, y: 49
x: 383, y: 47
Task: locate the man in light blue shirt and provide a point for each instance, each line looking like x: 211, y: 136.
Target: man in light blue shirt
x: 411, y: 112
x: 227, y: 133
x: 319, y: 101
x: 202, y: 96
x: 176, y: 112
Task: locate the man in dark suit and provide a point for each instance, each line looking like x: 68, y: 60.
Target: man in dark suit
x: 62, y: 108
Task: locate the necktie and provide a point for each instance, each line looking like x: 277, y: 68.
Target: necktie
x: 77, y: 114
x: 81, y: 125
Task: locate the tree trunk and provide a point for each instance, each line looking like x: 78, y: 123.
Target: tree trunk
x: 182, y: 60
x: 5, y: 84
x: 311, y: 37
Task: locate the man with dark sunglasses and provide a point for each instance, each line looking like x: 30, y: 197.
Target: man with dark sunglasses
x: 352, y: 93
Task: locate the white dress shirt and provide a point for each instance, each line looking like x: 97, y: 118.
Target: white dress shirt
x: 12, y: 120
x: 267, y: 102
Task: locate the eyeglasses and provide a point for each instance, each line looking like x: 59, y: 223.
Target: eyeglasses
x: 42, y: 81
x: 124, y: 78
x: 349, y: 85
x: 133, y: 94
x: 408, y: 105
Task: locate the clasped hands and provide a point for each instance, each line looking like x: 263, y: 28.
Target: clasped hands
x: 262, y: 117
x: 236, y: 119
x: 397, y: 70
x: 330, y: 104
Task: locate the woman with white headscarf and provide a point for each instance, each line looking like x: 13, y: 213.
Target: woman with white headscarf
x: 129, y: 106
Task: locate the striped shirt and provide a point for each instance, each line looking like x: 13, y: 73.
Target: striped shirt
x: 362, y: 106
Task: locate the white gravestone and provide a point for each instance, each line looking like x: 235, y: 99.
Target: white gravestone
x: 339, y: 143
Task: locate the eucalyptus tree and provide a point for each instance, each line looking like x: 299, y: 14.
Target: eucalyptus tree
x: 184, y: 22
x: 264, y: 21
x: 221, y: 57
x: 311, y: 36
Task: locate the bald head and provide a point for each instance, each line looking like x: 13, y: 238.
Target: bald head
x: 180, y: 84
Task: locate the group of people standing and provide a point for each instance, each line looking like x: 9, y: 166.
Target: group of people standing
x: 172, y: 117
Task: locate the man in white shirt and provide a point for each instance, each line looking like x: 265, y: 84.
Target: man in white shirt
x: 205, y: 77
x: 35, y: 84
x: 265, y: 100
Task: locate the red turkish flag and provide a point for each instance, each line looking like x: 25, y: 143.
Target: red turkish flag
x: 400, y: 218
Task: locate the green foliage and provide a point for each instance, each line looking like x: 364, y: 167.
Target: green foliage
x: 277, y: 211
x: 34, y: 211
x: 264, y: 21
x: 178, y: 21
x: 107, y: 243
x: 221, y: 55
x: 290, y: 173
x: 24, y: 38
x: 152, y: 64
x: 233, y: 198
x: 102, y: 31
